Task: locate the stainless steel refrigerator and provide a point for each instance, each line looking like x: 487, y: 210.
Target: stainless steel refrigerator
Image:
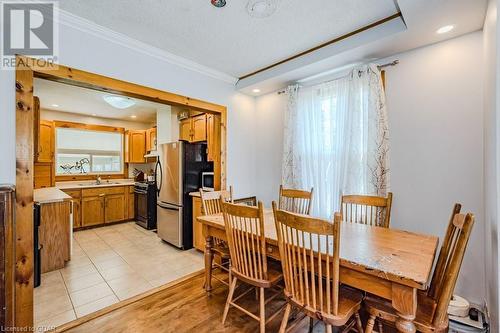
x: 178, y: 172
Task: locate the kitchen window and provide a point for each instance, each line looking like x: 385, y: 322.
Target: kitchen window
x: 84, y: 152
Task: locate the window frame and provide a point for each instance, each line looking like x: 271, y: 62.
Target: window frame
x: 90, y: 175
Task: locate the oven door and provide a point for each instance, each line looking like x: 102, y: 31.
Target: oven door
x: 141, y: 205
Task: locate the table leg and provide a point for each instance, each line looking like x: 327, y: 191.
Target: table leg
x: 404, y: 301
x: 209, y: 256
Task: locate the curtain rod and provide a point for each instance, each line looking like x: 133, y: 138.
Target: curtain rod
x: 380, y: 67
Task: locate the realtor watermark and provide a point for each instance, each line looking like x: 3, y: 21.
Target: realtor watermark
x: 29, y: 28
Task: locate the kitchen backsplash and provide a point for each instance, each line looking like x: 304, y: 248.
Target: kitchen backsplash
x: 146, y: 168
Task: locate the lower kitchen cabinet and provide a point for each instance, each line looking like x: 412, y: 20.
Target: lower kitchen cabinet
x: 100, y: 205
x: 198, y: 240
x: 131, y: 203
x: 92, y: 211
x: 114, y: 208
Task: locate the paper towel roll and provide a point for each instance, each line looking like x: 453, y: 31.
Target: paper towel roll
x: 459, y: 306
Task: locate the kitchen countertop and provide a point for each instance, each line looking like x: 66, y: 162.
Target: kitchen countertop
x: 91, y: 184
x: 49, y: 195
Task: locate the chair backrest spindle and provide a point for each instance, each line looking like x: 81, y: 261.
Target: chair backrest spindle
x: 210, y: 201
x: 296, y: 201
x: 309, y: 249
x: 364, y: 209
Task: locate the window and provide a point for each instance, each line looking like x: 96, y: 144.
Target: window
x: 83, y: 152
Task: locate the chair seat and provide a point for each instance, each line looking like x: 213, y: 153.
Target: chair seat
x: 349, y: 303
x: 274, y: 275
x: 383, y: 309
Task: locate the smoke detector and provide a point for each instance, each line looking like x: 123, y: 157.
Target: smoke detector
x: 261, y: 8
x: 218, y: 3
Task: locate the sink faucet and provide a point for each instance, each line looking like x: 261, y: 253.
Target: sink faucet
x: 98, y: 180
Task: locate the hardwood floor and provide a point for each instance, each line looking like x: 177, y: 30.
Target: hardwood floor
x: 185, y: 307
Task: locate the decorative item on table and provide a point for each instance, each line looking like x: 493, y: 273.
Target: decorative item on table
x: 465, y: 318
x: 138, y: 175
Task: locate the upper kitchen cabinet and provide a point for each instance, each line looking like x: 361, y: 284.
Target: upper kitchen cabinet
x: 185, y: 129
x: 199, y: 128
x: 135, y: 146
x: 151, y: 139
x: 194, y: 129
x: 43, y: 136
x: 213, y: 137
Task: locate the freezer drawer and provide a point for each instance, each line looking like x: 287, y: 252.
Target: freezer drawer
x: 169, y: 223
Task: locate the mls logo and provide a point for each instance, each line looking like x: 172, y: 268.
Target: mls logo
x: 28, y: 28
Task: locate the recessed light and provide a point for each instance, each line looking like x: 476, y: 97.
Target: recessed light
x: 445, y: 29
x: 55, y: 105
x: 256, y: 90
x: 133, y: 116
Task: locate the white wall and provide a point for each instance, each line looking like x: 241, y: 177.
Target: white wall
x: 491, y: 110
x: 98, y: 55
x: 83, y: 119
x: 434, y: 100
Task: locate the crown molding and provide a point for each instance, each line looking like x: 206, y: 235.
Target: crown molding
x: 84, y: 25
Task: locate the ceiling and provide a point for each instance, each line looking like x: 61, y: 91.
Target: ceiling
x: 228, y: 39
x: 66, y: 98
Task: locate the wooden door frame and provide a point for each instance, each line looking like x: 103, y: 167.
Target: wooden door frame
x: 26, y: 70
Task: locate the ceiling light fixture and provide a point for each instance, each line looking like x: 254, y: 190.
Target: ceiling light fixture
x: 261, y: 8
x: 445, y: 29
x: 119, y: 102
x: 218, y: 3
x: 256, y: 90
x: 93, y: 114
x: 133, y: 116
x: 55, y: 105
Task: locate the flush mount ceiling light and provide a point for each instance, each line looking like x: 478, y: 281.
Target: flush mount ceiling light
x: 218, y: 3
x: 261, y: 8
x: 256, y: 90
x: 133, y: 116
x: 119, y: 102
x: 445, y: 29
x: 55, y: 105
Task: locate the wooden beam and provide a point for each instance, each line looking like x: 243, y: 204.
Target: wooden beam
x: 24, y: 197
x: 93, y: 81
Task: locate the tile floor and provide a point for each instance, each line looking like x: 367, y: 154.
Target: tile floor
x: 109, y: 264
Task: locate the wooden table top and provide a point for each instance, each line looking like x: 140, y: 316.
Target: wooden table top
x: 391, y: 254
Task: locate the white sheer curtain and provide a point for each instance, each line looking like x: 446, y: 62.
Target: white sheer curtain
x: 336, y: 139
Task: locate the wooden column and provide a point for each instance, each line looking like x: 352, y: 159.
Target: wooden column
x: 24, y: 197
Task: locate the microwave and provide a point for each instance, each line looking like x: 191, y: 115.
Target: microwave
x: 207, y: 181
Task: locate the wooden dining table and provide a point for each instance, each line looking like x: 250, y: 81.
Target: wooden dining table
x: 393, y: 264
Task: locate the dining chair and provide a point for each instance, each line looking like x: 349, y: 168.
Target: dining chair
x: 245, y: 234
x: 366, y: 209
x: 432, y: 305
x: 296, y: 201
x: 249, y: 201
x: 210, y: 204
x: 310, y: 285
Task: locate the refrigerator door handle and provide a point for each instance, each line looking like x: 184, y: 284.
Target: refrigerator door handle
x: 158, y: 184
x: 168, y: 206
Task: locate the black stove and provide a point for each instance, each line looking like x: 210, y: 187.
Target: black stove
x: 145, y: 204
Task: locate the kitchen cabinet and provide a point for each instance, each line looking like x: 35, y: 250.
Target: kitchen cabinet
x: 114, y: 208
x: 45, y: 142
x: 54, y: 235
x: 151, y: 139
x: 198, y: 240
x: 185, y: 130
x: 199, y: 127
x: 76, y: 201
x: 135, y: 146
x: 43, y: 175
x: 194, y: 129
x: 92, y: 210
x: 131, y: 203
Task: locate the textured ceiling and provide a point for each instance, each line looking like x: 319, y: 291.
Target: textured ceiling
x: 87, y: 102
x: 228, y: 39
